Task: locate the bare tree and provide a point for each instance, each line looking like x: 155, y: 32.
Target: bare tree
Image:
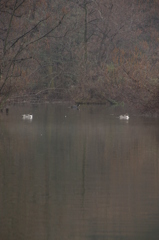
x: 22, y: 26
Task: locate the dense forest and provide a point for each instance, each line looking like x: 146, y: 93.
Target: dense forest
x: 87, y: 51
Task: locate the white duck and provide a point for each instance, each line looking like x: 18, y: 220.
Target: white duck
x: 125, y: 117
x: 27, y: 116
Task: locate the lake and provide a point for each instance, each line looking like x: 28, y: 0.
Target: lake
x: 78, y: 175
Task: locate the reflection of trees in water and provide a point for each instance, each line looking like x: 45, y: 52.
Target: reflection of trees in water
x: 87, y: 175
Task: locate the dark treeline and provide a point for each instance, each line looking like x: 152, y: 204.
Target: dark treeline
x: 85, y: 50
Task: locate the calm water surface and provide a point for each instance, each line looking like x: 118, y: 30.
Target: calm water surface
x: 78, y: 175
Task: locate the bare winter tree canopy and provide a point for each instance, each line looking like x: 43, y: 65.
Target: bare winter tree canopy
x: 85, y: 50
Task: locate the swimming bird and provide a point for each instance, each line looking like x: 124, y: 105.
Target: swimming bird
x: 75, y: 106
x: 125, y: 117
x: 7, y: 111
x: 27, y: 116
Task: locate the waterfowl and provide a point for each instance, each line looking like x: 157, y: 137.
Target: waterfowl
x: 27, y: 116
x: 7, y: 111
x: 75, y: 106
x: 125, y: 116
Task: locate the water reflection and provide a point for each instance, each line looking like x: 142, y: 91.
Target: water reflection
x: 84, y: 176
